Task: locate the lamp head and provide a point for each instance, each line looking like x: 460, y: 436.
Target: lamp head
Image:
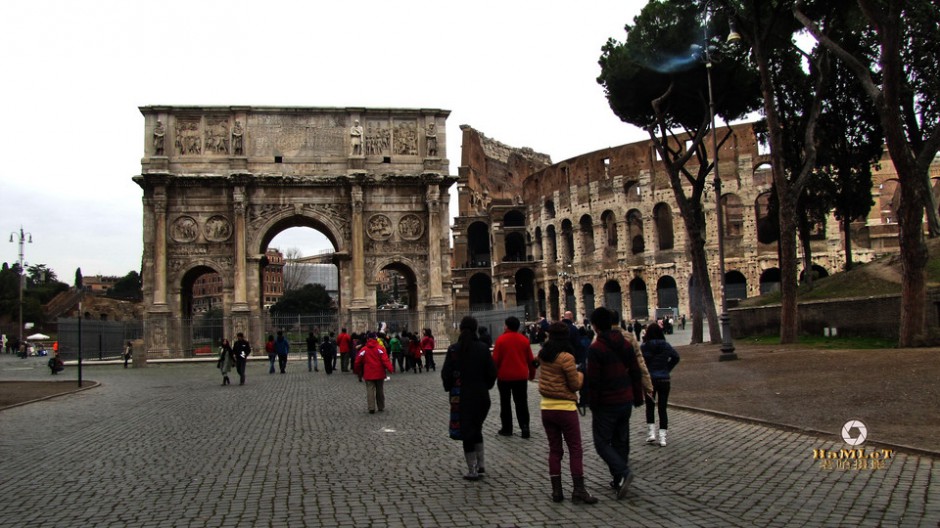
x: 733, y: 35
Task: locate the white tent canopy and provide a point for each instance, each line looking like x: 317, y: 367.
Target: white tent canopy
x: 37, y: 337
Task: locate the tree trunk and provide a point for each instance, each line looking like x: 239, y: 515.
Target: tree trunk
x: 807, y: 255
x: 846, y: 229
x: 788, y: 278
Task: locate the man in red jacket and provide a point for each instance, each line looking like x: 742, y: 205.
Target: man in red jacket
x: 343, y: 341
x: 514, y: 368
x: 371, y: 365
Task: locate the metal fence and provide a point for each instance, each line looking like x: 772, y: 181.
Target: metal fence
x: 99, y: 339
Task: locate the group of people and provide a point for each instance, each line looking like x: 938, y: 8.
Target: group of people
x: 610, y: 374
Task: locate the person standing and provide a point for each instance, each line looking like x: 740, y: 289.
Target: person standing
x: 226, y: 361
x: 242, y: 350
x: 128, y: 352
x: 469, y: 365
x: 371, y: 365
x: 613, y: 387
x: 512, y: 355
x: 343, y: 342
x: 328, y: 351
x: 272, y: 356
x: 559, y: 382
x: 637, y: 329
x: 427, y: 348
x: 485, y: 337
x: 281, y: 348
x: 580, y: 352
x: 660, y: 359
x: 397, y: 352
x: 312, y: 363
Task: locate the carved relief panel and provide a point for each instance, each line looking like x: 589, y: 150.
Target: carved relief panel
x: 406, y: 138
x: 378, y: 138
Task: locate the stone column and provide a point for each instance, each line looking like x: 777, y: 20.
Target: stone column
x: 240, y: 310
x: 434, y: 243
x: 159, y: 245
x: 358, y: 249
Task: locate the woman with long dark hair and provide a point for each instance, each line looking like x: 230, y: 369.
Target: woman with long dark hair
x: 660, y: 358
x: 469, y: 366
x: 559, y: 383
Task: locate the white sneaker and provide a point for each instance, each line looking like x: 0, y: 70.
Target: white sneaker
x: 662, y: 438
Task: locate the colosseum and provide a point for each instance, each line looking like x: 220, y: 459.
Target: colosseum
x: 603, y: 229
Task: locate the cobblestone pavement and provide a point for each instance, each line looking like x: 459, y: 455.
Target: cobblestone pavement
x: 167, y: 445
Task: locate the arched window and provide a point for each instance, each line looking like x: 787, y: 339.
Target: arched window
x: 610, y: 228
x: 587, y: 236
x: 635, y: 232
x: 662, y: 216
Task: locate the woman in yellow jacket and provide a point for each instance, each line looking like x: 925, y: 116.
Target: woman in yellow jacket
x: 559, y: 382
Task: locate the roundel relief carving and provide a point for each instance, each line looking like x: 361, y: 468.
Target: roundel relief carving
x: 184, y: 229
x: 380, y: 227
x: 217, y: 229
x: 411, y: 227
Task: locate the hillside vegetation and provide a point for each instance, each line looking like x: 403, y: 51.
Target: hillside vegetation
x: 879, y: 277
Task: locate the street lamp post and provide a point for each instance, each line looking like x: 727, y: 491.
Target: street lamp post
x: 22, y: 237
x: 727, y: 346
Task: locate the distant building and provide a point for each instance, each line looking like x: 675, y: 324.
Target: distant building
x: 98, y: 284
x: 208, y: 289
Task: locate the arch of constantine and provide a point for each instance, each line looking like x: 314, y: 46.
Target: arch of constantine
x: 219, y: 183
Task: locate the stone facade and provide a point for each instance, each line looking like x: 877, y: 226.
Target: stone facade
x: 219, y: 183
x: 603, y: 229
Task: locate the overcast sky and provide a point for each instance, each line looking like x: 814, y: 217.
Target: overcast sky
x: 75, y: 72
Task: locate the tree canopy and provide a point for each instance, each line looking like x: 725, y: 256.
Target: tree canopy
x: 311, y: 298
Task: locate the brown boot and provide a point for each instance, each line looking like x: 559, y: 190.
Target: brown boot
x: 580, y: 493
x: 557, y: 494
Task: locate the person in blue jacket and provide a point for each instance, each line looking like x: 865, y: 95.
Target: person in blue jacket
x: 660, y: 359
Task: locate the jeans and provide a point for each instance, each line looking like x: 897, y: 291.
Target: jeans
x: 271, y: 359
x: 282, y: 362
x: 563, y: 425
x: 610, y: 425
x: 312, y: 361
x: 661, y: 393
x: 429, y: 360
x: 399, y: 360
x: 513, y: 391
x: 240, y: 368
x: 343, y: 361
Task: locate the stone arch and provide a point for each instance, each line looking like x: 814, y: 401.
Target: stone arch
x: 552, y: 255
x: 478, y: 244
x: 525, y: 292
x: 768, y: 231
x: 567, y: 234
x: 198, y: 333
x: 662, y: 219
x: 481, y: 292
x: 587, y: 297
x: 415, y: 283
x: 537, y: 246
x: 635, y: 231
x: 667, y: 293
x: 770, y: 280
x: 818, y: 272
x: 586, y: 227
x: 515, y: 247
x: 613, y: 297
x: 218, y: 201
x: 609, y: 220
x: 735, y: 285
x: 639, y: 299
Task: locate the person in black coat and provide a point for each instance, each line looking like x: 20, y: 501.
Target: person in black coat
x: 469, y: 364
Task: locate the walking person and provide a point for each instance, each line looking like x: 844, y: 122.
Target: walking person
x: 281, y: 348
x: 242, y: 350
x: 660, y: 359
x: 559, y: 383
x: 272, y: 356
x: 371, y: 365
x: 343, y: 342
x: 328, y: 351
x: 637, y: 329
x: 312, y: 362
x: 397, y: 352
x: 512, y: 355
x: 427, y: 349
x: 226, y: 361
x: 128, y: 352
x: 613, y: 387
x: 469, y: 366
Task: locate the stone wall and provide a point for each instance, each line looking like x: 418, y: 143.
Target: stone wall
x: 859, y: 317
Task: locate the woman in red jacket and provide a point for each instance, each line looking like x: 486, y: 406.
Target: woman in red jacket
x: 427, y: 348
x: 371, y: 364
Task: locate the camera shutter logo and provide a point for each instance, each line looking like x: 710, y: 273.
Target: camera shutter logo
x: 847, y: 432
